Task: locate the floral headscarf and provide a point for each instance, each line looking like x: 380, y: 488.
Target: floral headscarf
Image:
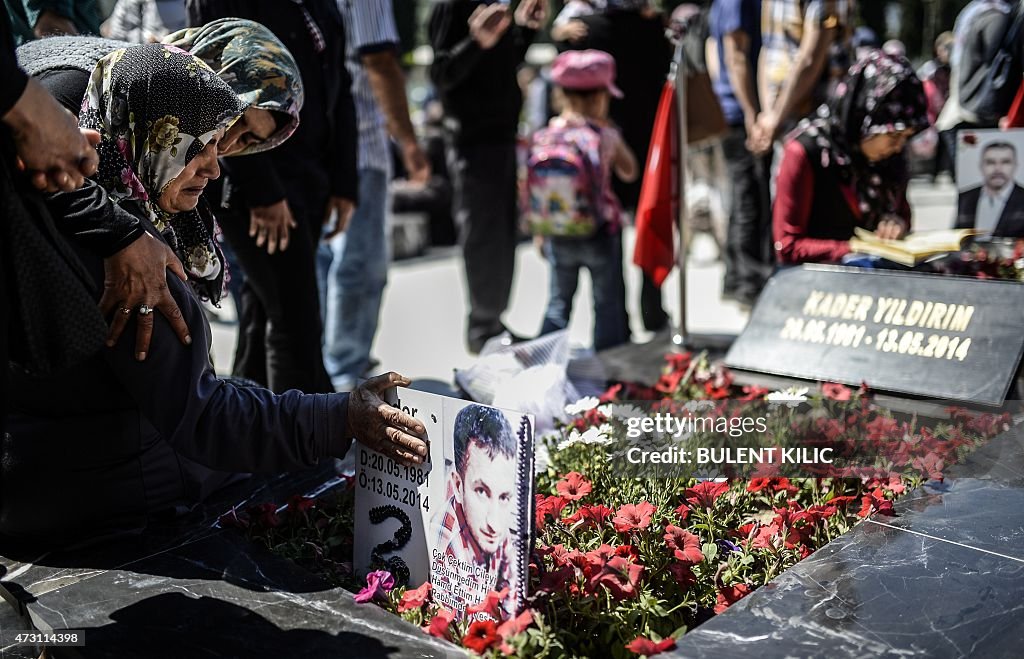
x: 880, y: 94
x: 254, y: 63
x: 156, y: 107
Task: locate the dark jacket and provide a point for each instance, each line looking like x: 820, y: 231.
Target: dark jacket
x: 13, y: 77
x: 320, y: 157
x: 478, y: 88
x: 1011, y: 222
x: 642, y: 58
x: 116, y: 439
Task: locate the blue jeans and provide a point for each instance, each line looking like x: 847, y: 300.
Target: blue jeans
x: 352, y: 271
x: 602, y: 256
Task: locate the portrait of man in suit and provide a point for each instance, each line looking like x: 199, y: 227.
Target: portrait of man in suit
x: 996, y: 207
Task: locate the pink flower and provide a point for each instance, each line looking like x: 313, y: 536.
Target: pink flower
x: 513, y: 626
x: 633, y: 517
x: 548, y: 506
x: 649, y: 648
x: 574, y: 487
x: 834, y: 391
x: 685, y: 545
x: 378, y: 585
x: 414, y: 599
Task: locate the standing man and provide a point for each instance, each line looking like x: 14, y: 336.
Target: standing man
x: 477, y: 48
x: 275, y: 203
x: 736, y: 29
x: 358, y: 266
x: 806, y: 49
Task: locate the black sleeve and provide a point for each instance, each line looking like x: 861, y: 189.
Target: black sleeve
x: 456, y: 54
x: 255, y: 178
x: 67, y: 86
x: 14, y: 79
x: 214, y: 422
x: 86, y: 216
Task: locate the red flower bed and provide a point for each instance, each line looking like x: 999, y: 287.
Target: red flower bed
x: 625, y: 566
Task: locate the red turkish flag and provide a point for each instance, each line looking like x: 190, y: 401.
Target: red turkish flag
x: 658, y: 207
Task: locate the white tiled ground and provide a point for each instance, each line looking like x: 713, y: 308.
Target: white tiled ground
x: 421, y: 331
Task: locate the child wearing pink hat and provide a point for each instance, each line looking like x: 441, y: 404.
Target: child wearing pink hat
x: 587, y: 80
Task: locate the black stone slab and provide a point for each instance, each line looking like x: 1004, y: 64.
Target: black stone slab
x: 784, y: 338
x: 876, y: 592
x: 223, y: 597
x: 189, y: 589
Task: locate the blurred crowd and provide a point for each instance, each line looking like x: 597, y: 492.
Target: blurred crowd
x: 177, y: 152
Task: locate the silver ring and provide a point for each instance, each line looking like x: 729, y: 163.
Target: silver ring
x: 145, y: 309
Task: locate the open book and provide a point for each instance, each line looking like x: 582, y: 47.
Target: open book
x: 914, y: 248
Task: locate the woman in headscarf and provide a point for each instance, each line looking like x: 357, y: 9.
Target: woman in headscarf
x: 142, y: 438
x: 247, y: 56
x: 845, y: 167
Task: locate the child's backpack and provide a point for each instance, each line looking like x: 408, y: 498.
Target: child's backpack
x: 563, y: 182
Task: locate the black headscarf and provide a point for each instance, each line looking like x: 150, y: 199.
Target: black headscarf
x: 880, y: 94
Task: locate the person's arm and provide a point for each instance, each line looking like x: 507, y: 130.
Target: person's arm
x: 808, y: 67
x: 15, y: 80
x: 376, y: 41
x: 623, y: 161
x: 736, y: 45
x: 46, y: 136
x: 456, y: 52
x: 233, y: 428
x: 794, y: 198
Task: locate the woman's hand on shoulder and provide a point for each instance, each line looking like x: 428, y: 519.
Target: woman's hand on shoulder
x: 136, y: 278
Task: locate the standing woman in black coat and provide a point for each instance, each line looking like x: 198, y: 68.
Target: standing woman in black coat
x: 274, y: 205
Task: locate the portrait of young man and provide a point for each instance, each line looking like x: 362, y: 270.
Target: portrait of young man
x: 996, y: 206
x: 475, y: 528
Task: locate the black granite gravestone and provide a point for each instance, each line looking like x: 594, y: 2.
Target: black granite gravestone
x: 945, y: 337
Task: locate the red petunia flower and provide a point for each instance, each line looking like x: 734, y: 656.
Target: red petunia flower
x: 683, y: 511
x: 574, y: 487
x: 834, y: 391
x: 595, y: 516
x: 491, y: 605
x: 683, y: 574
x: 414, y: 599
x: 633, y: 517
x: 548, y: 506
x: 685, y: 545
x: 620, y: 576
x: 730, y: 595
x: 439, y: 625
x: 649, y: 648
x: 704, y: 494
x: 481, y: 636
x: 875, y: 502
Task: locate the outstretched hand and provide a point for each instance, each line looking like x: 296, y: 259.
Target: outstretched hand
x: 383, y: 428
